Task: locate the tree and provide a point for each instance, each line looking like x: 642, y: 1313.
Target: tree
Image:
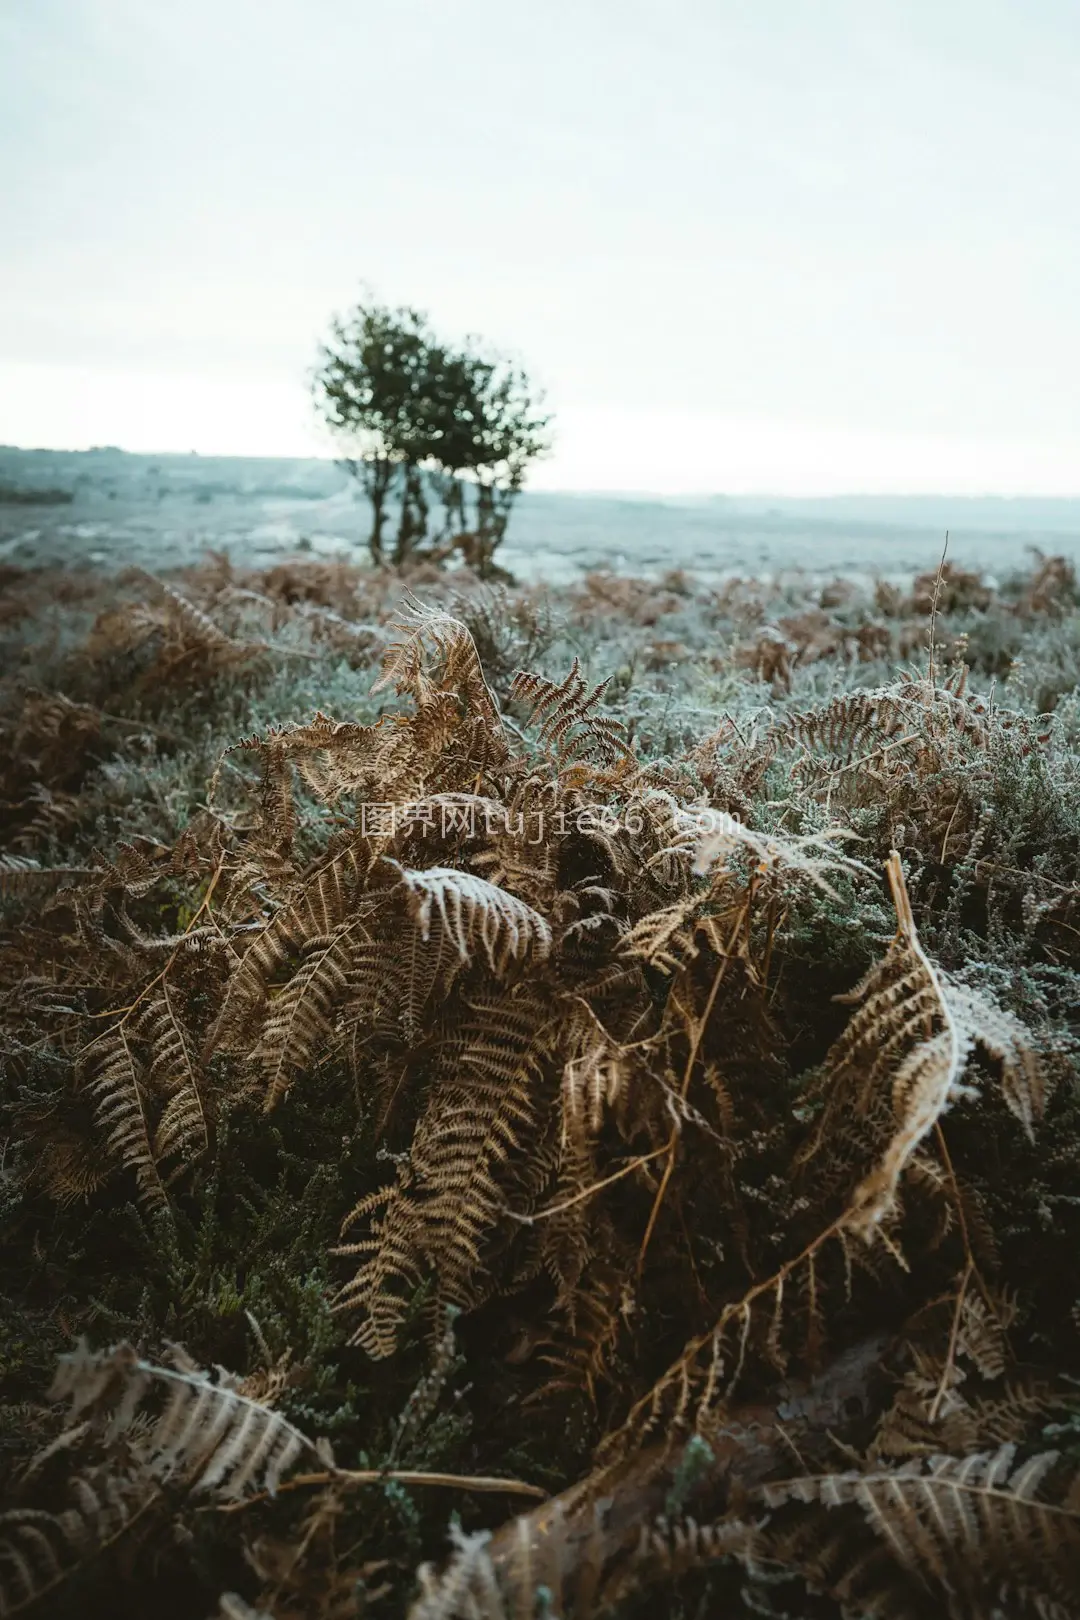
x: 371, y: 375
x: 419, y: 417
x: 510, y: 432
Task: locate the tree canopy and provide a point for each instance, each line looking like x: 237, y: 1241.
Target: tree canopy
x: 442, y: 434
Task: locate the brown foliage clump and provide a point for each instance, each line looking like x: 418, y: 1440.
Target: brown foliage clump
x: 714, y: 1109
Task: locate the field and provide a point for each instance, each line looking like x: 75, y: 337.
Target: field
x: 548, y: 1100
x: 114, y: 509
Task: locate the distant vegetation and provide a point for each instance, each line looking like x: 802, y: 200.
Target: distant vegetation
x: 446, y: 434
x: 28, y: 495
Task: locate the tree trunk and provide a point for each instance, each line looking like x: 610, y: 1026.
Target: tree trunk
x: 492, y: 517
x: 414, y: 515
x: 377, y: 476
x: 378, y: 513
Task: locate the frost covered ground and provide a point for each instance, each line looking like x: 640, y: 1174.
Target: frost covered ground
x: 168, y: 511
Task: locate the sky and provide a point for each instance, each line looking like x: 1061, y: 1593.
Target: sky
x: 784, y: 246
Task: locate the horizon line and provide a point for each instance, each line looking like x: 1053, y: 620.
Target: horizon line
x: 598, y: 491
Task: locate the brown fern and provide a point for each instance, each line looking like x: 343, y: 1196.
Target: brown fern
x: 39, y: 1550
x: 565, y: 713
x: 117, y: 1086
x: 902, y: 1059
x: 965, y: 1526
x: 205, y: 1434
x: 486, y: 1105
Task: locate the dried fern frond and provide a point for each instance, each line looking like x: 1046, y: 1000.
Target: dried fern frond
x: 335, y: 758
x: 186, y: 613
x: 935, y: 1411
x: 300, y: 1018
x: 1004, y: 1039
x: 204, y: 1434
x: 574, y: 1231
x: 964, y: 1525
x: 467, y: 1589
x: 670, y: 1548
x: 405, y: 663
x: 343, y: 947
x: 811, y: 856
x: 568, y: 1575
x: 484, y: 1113
x: 902, y: 1059
x: 40, y: 1550
x: 850, y: 724
x: 117, y: 1087
x: 161, y: 1427
x: 174, y: 1074
x: 665, y: 938
x: 470, y: 913
x: 195, y: 627
x: 697, y: 842
x: 324, y: 901
x: 565, y: 713
x: 19, y: 873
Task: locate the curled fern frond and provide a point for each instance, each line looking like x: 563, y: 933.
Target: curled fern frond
x: 901, y: 1061
x: 405, y: 663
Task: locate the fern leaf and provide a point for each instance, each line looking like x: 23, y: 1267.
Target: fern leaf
x: 1006, y: 1040
x: 174, y: 1074
x: 117, y: 1090
x: 405, y: 661
x: 322, y: 901
x: 564, y: 712
x: 469, y: 911
x: 206, y: 1435
x: 467, y: 1589
x: 20, y: 874
x: 901, y: 1061
x: 300, y: 1016
x: 486, y: 1108
x: 192, y: 623
x: 39, y: 1550
x: 961, y: 1524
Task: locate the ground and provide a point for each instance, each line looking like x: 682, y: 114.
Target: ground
x: 126, y: 509
x: 672, y: 1107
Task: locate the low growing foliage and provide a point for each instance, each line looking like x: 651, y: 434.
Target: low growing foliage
x: 644, y: 1084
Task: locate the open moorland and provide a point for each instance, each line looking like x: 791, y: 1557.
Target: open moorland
x: 113, y: 509
x: 540, y: 1100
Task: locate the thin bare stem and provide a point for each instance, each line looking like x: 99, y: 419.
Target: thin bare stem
x: 954, y: 1335
x: 400, y: 1476
x: 934, y: 606
x: 587, y: 1192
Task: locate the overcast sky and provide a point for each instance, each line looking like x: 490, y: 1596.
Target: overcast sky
x: 772, y: 245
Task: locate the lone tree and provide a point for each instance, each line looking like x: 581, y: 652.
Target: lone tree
x: 508, y: 432
x: 418, y: 418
